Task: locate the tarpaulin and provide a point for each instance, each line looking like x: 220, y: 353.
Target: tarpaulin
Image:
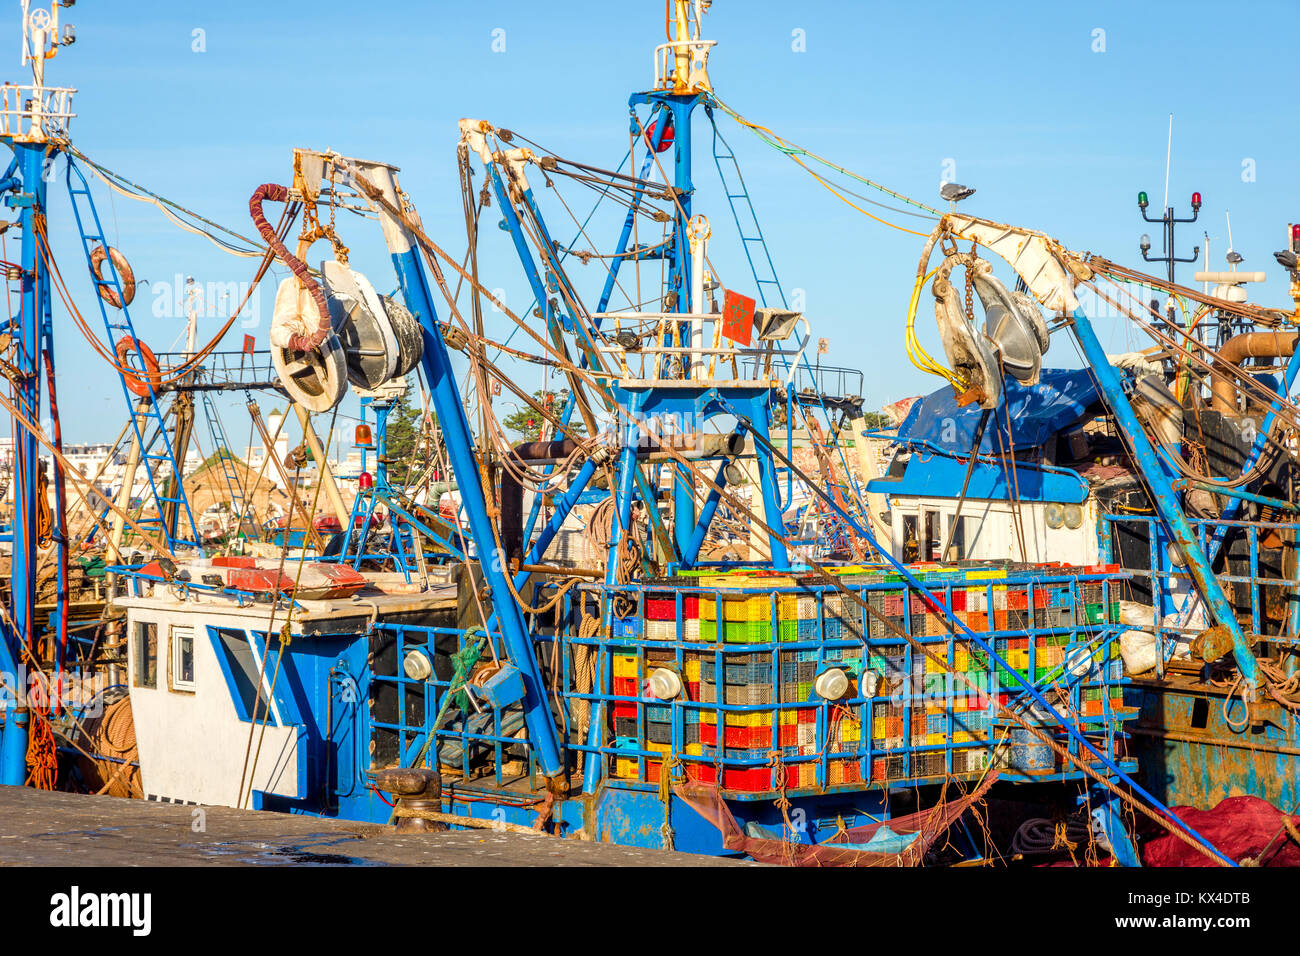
x: 1037, y: 413
x: 1242, y: 828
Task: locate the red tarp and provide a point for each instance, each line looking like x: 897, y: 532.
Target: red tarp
x: 1239, y: 827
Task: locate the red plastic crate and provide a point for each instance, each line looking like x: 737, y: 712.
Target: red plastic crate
x: 745, y: 738
x: 623, y: 710
x: 626, y: 687
x: 840, y: 772
x: 747, y: 779
x: 665, y: 608
x: 1017, y: 600
x: 701, y: 773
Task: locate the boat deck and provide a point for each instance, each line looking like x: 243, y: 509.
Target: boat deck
x: 40, y: 828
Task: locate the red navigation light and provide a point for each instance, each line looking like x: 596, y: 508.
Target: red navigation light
x: 1196, y: 200
x: 365, y: 481
x: 361, y: 436
x: 664, y: 143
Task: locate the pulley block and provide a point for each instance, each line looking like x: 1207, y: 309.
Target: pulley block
x: 316, y: 378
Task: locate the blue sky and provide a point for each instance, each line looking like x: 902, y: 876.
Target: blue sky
x: 1054, y: 136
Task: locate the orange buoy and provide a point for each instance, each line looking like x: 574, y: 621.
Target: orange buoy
x: 152, y: 377
x: 124, y: 275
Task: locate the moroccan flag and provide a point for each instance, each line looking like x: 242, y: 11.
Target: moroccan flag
x: 738, y: 317
x: 248, y: 344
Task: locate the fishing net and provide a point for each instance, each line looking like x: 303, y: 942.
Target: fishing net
x: 898, y: 841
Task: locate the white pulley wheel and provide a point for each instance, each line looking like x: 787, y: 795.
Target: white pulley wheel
x: 358, y: 316
x: 317, y: 380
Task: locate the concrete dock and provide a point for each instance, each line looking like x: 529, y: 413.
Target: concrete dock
x: 40, y: 828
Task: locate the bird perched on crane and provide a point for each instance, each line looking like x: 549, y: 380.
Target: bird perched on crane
x: 955, y: 192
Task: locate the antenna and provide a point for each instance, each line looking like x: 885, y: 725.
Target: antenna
x: 1169, y: 152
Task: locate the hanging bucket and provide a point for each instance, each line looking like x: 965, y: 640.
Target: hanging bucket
x: 1027, y: 754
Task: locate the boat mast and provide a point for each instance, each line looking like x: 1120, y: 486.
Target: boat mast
x: 33, y: 121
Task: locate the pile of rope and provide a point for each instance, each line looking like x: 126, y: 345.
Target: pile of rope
x: 631, y: 547
x: 110, y: 759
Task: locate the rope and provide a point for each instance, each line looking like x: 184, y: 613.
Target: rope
x: 114, y: 180
x: 172, y: 374
x: 784, y: 146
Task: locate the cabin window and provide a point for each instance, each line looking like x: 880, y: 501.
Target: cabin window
x: 957, y: 531
x: 242, y: 670
x: 182, y: 663
x: 146, y: 654
x: 911, y: 546
x: 932, y: 542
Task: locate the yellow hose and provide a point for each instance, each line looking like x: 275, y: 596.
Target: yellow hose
x: 915, y: 352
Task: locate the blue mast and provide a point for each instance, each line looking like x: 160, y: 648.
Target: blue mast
x: 40, y: 114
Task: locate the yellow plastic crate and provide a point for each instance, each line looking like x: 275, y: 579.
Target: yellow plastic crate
x: 734, y: 607
x: 758, y: 718
x: 625, y: 665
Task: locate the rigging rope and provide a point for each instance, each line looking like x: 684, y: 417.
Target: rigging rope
x: 794, y: 152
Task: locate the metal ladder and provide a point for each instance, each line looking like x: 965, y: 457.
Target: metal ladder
x: 92, y: 235
x: 742, y: 211
x: 221, y: 446
x: 763, y: 269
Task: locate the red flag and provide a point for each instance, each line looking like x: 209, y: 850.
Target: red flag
x: 738, y: 317
x: 248, y: 344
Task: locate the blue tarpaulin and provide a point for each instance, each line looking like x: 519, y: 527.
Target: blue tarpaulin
x: 1037, y: 413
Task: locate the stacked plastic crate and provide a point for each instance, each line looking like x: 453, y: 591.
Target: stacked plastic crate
x: 747, y: 703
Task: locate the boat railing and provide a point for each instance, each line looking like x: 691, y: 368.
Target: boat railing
x: 815, y: 383
x: 31, y: 114
x: 911, y: 722
x: 665, y: 62
x: 1258, y: 582
x: 224, y: 371
x: 635, y: 342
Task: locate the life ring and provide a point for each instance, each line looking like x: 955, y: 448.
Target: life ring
x: 152, y: 377
x: 124, y: 274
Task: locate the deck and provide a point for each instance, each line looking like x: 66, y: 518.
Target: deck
x: 39, y: 828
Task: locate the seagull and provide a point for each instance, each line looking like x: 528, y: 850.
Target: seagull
x: 955, y: 192
x: 1287, y: 259
x: 1234, y: 257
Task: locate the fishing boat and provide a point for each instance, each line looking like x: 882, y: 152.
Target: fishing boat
x: 611, y: 632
